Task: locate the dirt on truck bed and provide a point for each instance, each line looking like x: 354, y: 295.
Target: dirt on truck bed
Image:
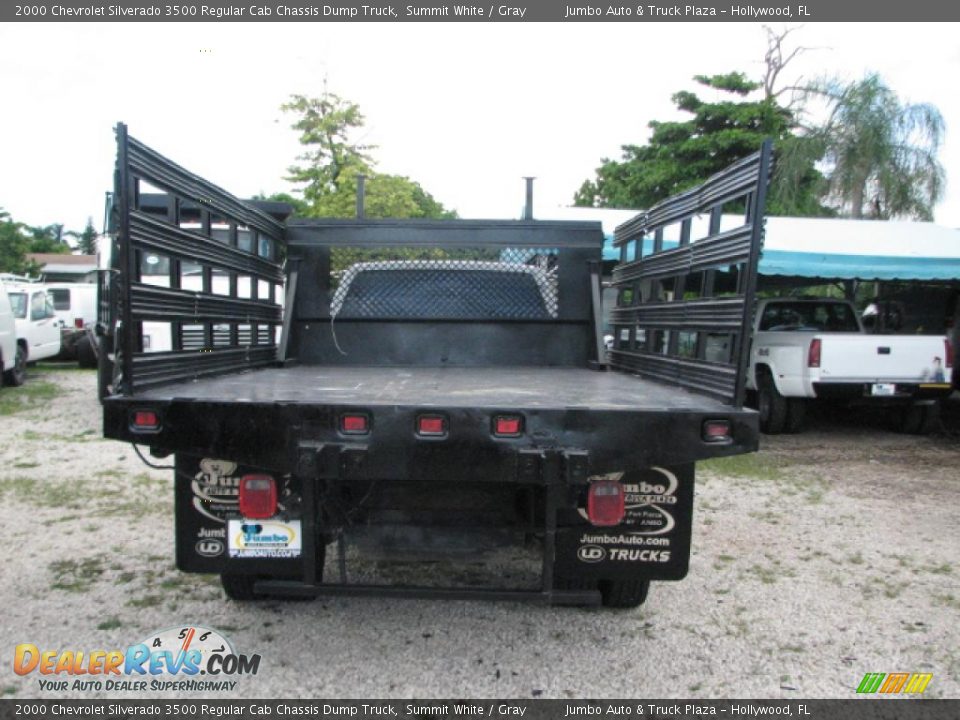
x: 824, y: 556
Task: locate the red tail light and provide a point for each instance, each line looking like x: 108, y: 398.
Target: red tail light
x: 507, y: 425
x: 716, y: 430
x: 355, y: 424
x: 431, y: 425
x: 145, y: 420
x: 947, y: 353
x: 258, y: 496
x: 813, y: 354
x: 605, y: 503
x: 78, y: 323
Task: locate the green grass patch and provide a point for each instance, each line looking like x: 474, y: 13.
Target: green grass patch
x: 45, y: 368
x: 111, y: 623
x: 46, y: 492
x: 147, y: 601
x: 32, y: 394
x: 950, y: 601
x: 76, y: 575
x: 752, y: 465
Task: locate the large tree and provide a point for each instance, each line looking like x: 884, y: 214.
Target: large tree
x: 86, y: 240
x: 333, y: 160
x: 880, y: 154
x: 680, y: 154
x: 14, y: 246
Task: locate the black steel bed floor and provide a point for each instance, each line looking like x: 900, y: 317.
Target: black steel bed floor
x: 498, y: 387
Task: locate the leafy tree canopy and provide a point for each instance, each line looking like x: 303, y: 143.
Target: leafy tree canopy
x: 880, y: 154
x: 333, y: 159
x: 681, y: 154
x: 17, y: 240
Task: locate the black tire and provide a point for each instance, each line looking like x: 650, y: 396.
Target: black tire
x: 911, y: 419
x: 624, y: 593
x: 240, y: 587
x: 86, y: 355
x: 931, y: 419
x: 796, y: 415
x: 771, y: 404
x: 18, y: 373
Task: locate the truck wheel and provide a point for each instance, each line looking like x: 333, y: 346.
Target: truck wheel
x: 239, y: 587
x: 931, y: 418
x: 16, y: 375
x: 624, y: 593
x: 796, y: 415
x: 86, y: 355
x: 913, y: 419
x: 772, y: 406
x: 920, y: 419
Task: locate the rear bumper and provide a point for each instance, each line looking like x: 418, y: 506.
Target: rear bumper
x: 861, y: 392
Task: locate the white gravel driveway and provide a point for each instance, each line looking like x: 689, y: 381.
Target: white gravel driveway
x: 825, y: 556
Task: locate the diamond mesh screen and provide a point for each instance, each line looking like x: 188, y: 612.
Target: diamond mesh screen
x: 432, y: 283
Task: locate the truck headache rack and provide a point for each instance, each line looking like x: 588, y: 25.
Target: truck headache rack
x: 207, y: 271
x: 684, y: 300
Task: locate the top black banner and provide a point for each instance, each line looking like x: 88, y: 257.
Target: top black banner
x: 512, y: 11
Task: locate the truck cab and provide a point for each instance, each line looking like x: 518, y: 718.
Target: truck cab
x: 38, y: 328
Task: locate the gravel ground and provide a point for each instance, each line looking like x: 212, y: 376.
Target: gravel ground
x: 825, y: 556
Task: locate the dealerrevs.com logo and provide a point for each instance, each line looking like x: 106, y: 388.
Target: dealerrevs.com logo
x: 189, y: 657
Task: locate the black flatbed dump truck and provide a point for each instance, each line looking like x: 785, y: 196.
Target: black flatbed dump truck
x: 426, y: 389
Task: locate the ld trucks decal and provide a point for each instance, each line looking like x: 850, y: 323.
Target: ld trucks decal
x: 653, y: 541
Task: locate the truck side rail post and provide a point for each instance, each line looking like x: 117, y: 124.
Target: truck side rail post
x: 685, y: 303
x: 194, y: 233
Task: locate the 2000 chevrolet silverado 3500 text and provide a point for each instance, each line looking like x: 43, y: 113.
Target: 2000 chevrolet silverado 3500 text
x: 426, y: 388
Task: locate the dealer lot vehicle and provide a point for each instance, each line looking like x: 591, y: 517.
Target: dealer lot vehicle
x: 427, y: 389
x: 38, y: 330
x: 11, y: 372
x: 808, y: 349
x: 75, y: 305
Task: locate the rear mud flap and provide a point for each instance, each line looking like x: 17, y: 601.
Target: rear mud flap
x: 652, y: 542
x: 206, y: 500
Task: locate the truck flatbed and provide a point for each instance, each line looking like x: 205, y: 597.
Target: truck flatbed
x: 496, y: 387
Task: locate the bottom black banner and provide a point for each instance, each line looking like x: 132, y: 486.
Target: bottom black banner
x: 865, y: 709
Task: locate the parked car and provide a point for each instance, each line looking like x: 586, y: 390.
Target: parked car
x: 38, y: 329
x: 11, y: 363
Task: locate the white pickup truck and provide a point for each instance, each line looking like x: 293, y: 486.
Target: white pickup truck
x: 815, y: 348
x: 38, y: 329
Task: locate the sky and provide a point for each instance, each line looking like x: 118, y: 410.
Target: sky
x: 465, y: 109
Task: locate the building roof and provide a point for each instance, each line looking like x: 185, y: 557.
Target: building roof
x: 64, y: 263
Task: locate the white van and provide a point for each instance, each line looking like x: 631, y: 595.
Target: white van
x: 38, y: 329
x: 12, y: 370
